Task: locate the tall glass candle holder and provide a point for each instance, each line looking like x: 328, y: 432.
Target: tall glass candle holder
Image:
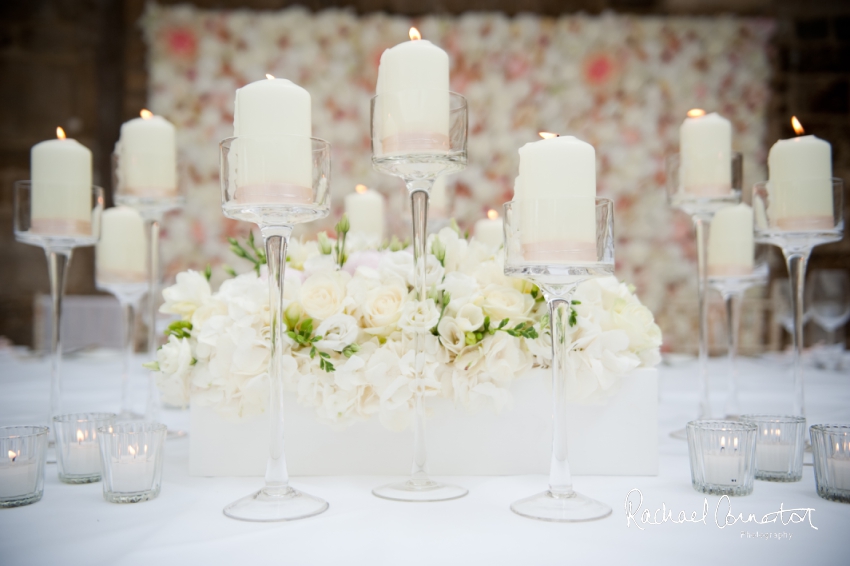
x: 732, y: 289
x: 58, y: 237
x: 701, y: 208
x: 152, y: 204
x: 22, y: 454
x: 417, y: 151
x: 262, y: 181
x: 796, y: 237
x: 558, y: 268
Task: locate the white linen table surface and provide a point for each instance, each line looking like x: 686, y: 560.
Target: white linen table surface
x: 72, y: 524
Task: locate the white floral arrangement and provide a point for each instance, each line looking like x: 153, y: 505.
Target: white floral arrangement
x: 351, y: 317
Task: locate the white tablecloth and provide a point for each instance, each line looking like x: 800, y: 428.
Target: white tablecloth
x: 72, y: 524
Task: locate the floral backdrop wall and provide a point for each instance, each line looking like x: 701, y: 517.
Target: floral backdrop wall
x: 621, y: 83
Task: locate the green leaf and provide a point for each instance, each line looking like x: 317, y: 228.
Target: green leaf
x: 208, y: 272
x: 229, y: 270
x: 153, y: 366
x: 313, y: 351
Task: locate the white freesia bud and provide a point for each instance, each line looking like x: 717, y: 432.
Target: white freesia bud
x: 323, y: 294
x: 451, y: 335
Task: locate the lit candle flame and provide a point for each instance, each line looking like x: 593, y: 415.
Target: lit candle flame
x: 548, y: 135
x: 798, y: 127
x: 60, y: 133
x: 414, y: 34
x: 80, y: 436
x: 131, y: 450
x: 146, y: 114
x: 361, y: 189
x: 13, y: 455
x: 696, y: 113
x: 269, y: 76
x: 492, y: 214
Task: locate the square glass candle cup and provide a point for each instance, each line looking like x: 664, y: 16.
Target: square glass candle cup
x: 723, y: 456
x: 77, y: 448
x: 780, y: 441
x: 132, y: 461
x: 22, y: 453
x: 831, y: 450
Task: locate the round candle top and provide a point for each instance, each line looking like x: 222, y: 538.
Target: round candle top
x: 61, y: 174
x: 147, y: 153
x: 121, y: 252
x: 557, y: 167
x: 413, y: 65
x: 705, y: 146
x: 730, y: 241
x: 272, y: 107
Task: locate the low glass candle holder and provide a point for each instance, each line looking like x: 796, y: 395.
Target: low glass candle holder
x: 831, y: 449
x: 22, y: 453
x: 723, y: 456
x: 77, y: 449
x: 780, y: 441
x: 132, y: 461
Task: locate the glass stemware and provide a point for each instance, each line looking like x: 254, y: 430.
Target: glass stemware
x: 419, y: 150
x: 275, y: 182
x: 830, y: 307
x: 558, y: 279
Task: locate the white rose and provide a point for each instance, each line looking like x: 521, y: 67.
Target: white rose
x: 323, y: 294
x: 501, y: 302
x: 469, y: 317
x: 419, y: 316
x: 451, y: 336
x: 383, y: 308
x: 337, y: 332
x: 190, y: 292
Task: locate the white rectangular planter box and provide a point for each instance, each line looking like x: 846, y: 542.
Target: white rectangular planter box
x: 617, y: 438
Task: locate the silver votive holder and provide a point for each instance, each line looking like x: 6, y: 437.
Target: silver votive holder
x: 831, y: 450
x: 723, y: 456
x: 77, y: 448
x: 132, y: 461
x: 780, y: 441
x: 22, y: 453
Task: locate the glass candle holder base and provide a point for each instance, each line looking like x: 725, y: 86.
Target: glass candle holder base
x: 75, y: 479
x: 271, y: 505
x: 21, y: 501
x: 572, y: 508
x: 424, y: 491
x: 135, y: 497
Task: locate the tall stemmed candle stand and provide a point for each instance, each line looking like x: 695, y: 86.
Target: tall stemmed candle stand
x: 533, y: 258
x: 417, y: 150
x: 58, y: 237
x: 732, y: 289
x: 263, y: 181
x: 796, y: 236
x: 701, y: 208
x: 129, y: 295
x: 152, y: 205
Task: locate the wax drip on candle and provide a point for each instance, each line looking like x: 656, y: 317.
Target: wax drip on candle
x: 60, y: 133
x: 798, y: 127
x: 414, y: 34
x: 696, y: 112
x: 548, y: 135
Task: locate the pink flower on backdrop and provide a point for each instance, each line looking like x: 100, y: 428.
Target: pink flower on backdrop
x: 599, y: 68
x: 181, y: 42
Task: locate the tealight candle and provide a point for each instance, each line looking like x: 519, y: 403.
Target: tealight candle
x: 272, y: 118
x: 121, y: 252
x: 726, y: 466
x: 132, y: 472
x: 61, y: 174
x: 800, y: 183
x: 147, y: 156
x: 839, y: 473
x: 705, y: 152
x: 557, y: 197
x: 365, y: 210
x: 490, y: 230
x: 774, y: 458
x: 416, y: 116
x: 730, y: 242
x: 83, y: 456
x: 17, y: 477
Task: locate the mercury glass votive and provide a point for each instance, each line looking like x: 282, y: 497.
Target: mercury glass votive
x: 22, y: 452
x: 132, y: 460
x: 831, y: 449
x: 77, y: 449
x: 723, y: 456
x: 780, y: 441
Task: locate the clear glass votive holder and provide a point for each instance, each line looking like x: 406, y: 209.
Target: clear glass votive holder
x: 77, y: 449
x: 780, y: 441
x: 723, y: 456
x: 22, y: 454
x: 132, y: 460
x: 831, y: 450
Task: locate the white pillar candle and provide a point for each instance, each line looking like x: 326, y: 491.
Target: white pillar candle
x: 416, y: 117
x: 272, y: 119
x: 800, y: 183
x: 774, y: 458
x: 147, y: 157
x: 705, y: 153
x: 558, y: 200
x: 121, y: 252
x: 365, y: 210
x: 132, y: 472
x: 490, y: 230
x: 61, y: 175
x: 730, y: 242
x: 17, y: 477
x: 839, y: 473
